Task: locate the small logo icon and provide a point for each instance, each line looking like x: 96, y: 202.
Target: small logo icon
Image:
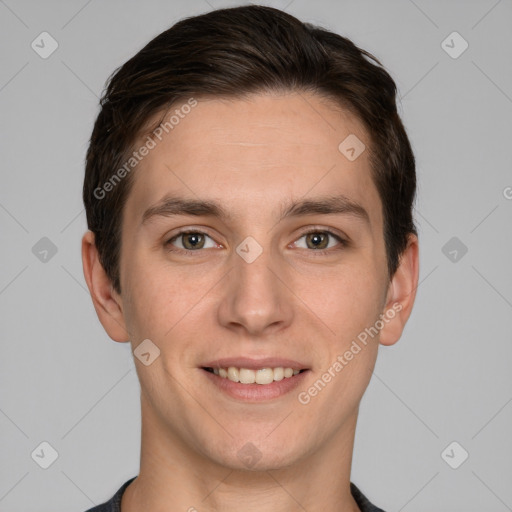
x: 44, y: 45
x: 44, y: 455
x: 454, y: 249
x: 351, y: 147
x: 249, y: 249
x: 44, y: 250
x: 249, y: 454
x: 454, y: 45
x: 454, y: 455
x: 146, y: 352
x: 507, y: 192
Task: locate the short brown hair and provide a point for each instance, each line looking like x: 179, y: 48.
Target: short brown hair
x: 232, y: 53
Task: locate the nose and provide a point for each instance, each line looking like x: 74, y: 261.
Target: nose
x: 256, y: 300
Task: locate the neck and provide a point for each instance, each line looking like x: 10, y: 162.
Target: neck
x: 174, y: 476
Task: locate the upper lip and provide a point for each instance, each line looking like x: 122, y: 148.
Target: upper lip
x: 255, y: 364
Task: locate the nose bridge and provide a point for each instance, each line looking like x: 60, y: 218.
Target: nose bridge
x: 253, y: 276
x: 253, y: 262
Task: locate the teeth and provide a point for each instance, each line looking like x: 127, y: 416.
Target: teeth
x: 247, y: 376
x: 279, y: 373
x: 261, y: 376
x: 233, y: 374
x: 264, y: 376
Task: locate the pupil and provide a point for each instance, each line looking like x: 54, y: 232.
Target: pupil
x: 316, y: 239
x: 194, y: 237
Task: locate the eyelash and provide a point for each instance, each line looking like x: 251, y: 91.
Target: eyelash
x: 319, y: 252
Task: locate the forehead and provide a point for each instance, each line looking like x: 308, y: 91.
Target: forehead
x: 252, y: 153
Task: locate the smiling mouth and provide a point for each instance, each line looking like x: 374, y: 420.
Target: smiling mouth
x: 260, y: 376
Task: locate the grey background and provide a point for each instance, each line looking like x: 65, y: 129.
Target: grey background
x: 63, y: 381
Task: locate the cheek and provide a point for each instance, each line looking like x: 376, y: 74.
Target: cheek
x: 166, y: 299
x: 351, y: 298
x: 352, y: 307
x: 154, y: 298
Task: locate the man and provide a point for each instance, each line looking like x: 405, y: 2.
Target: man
x: 249, y: 189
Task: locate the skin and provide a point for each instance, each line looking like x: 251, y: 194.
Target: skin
x: 251, y: 155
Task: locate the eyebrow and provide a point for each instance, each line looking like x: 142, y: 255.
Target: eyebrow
x: 171, y: 206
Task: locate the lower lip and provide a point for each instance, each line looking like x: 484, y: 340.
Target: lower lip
x: 256, y: 392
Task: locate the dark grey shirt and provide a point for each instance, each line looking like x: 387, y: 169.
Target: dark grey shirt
x: 114, y: 504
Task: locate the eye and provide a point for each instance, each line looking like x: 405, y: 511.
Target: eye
x: 190, y: 241
x: 318, y: 240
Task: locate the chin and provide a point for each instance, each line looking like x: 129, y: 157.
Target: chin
x: 263, y: 455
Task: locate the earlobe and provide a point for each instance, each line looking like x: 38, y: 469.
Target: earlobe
x: 401, y: 294
x: 106, y: 301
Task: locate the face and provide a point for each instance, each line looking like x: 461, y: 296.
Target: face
x: 257, y: 284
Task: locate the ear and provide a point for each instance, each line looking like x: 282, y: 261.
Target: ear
x: 401, y: 294
x: 107, y: 302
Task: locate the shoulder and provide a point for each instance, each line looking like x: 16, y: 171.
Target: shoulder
x: 114, y: 503
x: 362, y: 501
